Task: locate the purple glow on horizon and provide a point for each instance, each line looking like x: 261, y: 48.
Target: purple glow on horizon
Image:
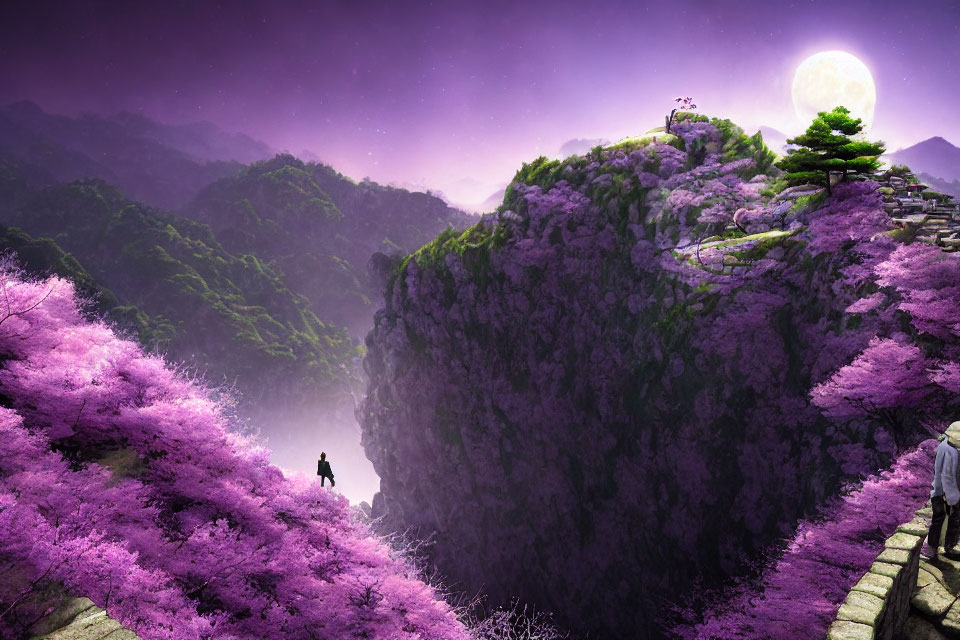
x: 454, y: 96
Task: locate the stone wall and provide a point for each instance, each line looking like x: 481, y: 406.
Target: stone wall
x: 878, y: 605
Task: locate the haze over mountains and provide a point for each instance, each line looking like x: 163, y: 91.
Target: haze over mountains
x: 935, y: 156
x: 161, y: 165
x: 936, y: 162
x: 260, y: 281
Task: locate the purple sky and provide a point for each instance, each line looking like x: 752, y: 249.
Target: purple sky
x: 455, y: 95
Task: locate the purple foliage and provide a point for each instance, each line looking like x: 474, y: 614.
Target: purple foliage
x: 928, y: 281
x: 890, y: 375
x: 120, y: 481
x: 895, y: 378
x: 854, y: 216
x: 559, y: 397
x: 900, y: 377
x: 691, y: 131
x: 799, y: 592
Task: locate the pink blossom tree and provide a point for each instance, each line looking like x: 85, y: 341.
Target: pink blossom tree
x: 886, y: 380
x: 928, y: 282
x: 121, y: 481
x: 683, y: 104
x: 798, y: 592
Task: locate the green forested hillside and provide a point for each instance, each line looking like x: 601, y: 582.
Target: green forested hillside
x: 262, y: 282
x: 319, y: 229
x: 227, y: 314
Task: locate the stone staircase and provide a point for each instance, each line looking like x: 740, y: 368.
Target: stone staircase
x: 939, y: 227
x: 935, y: 604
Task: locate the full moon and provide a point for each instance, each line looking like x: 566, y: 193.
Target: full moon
x: 834, y: 78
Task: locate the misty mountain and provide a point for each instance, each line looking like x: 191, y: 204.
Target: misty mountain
x: 939, y: 185
x: 319, y: 229
x: 488, y: 204
x: 258, y: 291
x: 494, y: 201
x: 161, y: 165
x: 169, y: 280
x: 935, y: 156
x: 202, y: 140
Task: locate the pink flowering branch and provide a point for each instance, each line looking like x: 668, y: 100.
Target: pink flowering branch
x: 683, y: 104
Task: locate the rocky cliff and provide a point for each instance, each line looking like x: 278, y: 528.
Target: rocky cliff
x: 600, y: 393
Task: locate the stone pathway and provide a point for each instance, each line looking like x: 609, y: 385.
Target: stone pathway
x: 942, y: 228
x: 938, y: 226
x: 689, y: 251
x: 935, y: 606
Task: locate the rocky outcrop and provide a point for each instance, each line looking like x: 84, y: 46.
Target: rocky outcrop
x: 590, y: 408
x: 80, y: 619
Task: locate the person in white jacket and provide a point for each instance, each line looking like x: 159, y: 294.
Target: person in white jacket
x: 945, y: 496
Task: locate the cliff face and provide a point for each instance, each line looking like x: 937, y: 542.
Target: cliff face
x: 601, y: 392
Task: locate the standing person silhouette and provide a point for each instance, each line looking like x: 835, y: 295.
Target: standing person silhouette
x: 324, y: 470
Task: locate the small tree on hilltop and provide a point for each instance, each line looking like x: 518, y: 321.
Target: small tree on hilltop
x: 826, y: 146
x: 683, y: 104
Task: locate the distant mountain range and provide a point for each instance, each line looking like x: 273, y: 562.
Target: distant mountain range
x: 167, y: 279
x: 319, y: 229
x: 260, y: 276
x: 942, y: 186
x: 160, y: 165
x: 934, y: 156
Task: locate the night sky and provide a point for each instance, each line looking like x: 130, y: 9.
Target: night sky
x: 455, y: 95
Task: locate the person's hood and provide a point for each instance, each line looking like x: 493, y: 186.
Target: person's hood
x: 953, y: 434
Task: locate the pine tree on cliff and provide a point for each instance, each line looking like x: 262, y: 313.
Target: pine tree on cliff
x: 826, y: 146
